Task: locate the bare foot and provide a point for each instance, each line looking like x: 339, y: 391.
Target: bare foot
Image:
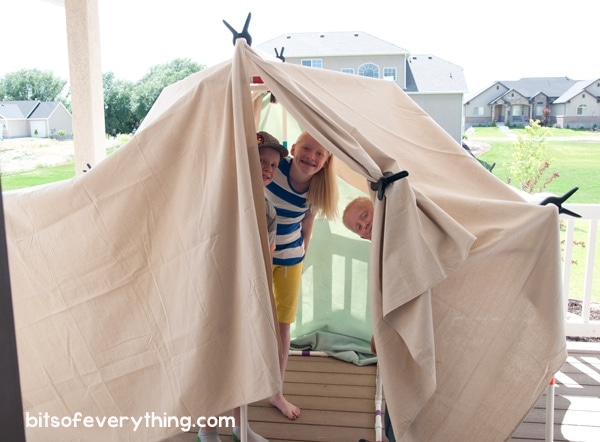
x: 288, y: 409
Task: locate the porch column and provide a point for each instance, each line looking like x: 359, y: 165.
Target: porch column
x: 87, y: 97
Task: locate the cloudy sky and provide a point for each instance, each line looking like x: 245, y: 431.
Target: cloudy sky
x: 505, y: 40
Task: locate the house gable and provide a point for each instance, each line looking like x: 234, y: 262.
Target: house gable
x: 511, y: 97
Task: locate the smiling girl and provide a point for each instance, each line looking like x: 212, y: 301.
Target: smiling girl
x: 304, y: 186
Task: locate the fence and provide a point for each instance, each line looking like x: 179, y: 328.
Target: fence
x: 580, y: 233
x: 335, y: 282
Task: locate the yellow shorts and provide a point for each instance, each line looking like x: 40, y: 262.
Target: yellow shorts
x: 286, y: 290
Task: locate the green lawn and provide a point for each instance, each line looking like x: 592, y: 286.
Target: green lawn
x: 577, y: 163
x: 495, y: 132
x: 38, y: 176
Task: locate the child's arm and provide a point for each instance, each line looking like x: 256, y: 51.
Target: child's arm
x: 307, y: 226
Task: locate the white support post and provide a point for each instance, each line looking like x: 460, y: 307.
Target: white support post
x: 550, y: 411
x: 243, y: 423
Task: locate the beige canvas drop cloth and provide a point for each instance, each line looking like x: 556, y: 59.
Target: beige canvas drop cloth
x: 142, y: 285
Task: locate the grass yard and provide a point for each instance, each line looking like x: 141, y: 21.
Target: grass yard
x: 579, y: 260
x: 496, y: 132
x: 38, y: 176
x: 577, y: 163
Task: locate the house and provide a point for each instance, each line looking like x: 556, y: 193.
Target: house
x: 436, y: 85
x: 555, y: 101
x: 35, y: 118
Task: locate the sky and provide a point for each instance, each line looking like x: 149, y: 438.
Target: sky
x: 506, y: 40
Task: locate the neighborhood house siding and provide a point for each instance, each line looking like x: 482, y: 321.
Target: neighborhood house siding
x: 574, y: 117
x: 17, y: 128
x: 60, y: 120
x: 436, y: 106
x: 594, y: 88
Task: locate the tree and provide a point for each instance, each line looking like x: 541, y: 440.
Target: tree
x: 529, y: 163
x: 118, y: 115
x: 147, y: 90
x: 32, y: 84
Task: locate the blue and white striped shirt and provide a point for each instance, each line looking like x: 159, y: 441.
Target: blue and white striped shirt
x: 291, y: 208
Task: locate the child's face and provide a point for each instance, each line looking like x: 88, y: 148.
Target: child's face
x: 359, y: 218
x: 309, y: 155
x: 269, y: 160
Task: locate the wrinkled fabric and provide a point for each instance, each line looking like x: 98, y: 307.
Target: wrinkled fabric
x: 144, y: 284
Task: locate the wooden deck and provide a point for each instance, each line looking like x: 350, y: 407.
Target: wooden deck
x: 338, y: 403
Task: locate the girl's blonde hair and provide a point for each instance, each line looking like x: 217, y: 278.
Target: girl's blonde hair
x: 323, y: 190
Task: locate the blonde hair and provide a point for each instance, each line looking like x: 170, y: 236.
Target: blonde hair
x: 361, y: 201
x: 323, y: 191
x: 323, y: 188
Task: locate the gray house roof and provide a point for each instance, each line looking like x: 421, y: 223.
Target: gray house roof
x: 329, y: 44
x: 17, y: 109
x: 45, y: 109
x: 550, y: 86
x: 427, y: 73
x: 577, y: 88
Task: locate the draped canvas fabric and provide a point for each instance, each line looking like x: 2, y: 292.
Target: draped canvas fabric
x: 144, y: 285
x: 141, y: 288
x: 465, y: 275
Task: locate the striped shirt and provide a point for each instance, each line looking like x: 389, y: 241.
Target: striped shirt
x: 291, y: 208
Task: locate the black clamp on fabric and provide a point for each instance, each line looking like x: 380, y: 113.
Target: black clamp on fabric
x: 387, y: 178
x: 559, y: 200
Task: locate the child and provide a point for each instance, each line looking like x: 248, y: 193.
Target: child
x: 271, y: 153
x: 305, y: 185
x: 358, y: 217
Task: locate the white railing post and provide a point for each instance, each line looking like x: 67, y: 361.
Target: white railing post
x: 590, y: 214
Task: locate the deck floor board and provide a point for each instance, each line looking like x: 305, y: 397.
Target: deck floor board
x: 338, y: 403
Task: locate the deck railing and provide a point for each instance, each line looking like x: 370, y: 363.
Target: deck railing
x: 580, y: 233
x: 346, y: 258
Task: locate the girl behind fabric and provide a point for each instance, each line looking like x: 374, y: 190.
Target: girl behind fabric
x: 305, y: 186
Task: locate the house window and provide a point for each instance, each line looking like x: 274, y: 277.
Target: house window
x: 348, y: 71
x: 390, y: 74
x: 517, y: 110
x: 313, y: 63
x: 369, y: 70
x: 582, y: 109
x: 478, y: 110
x: 539, y: 109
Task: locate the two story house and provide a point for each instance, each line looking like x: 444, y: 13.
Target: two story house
x: 436, y: 85
x: 554, y: 101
